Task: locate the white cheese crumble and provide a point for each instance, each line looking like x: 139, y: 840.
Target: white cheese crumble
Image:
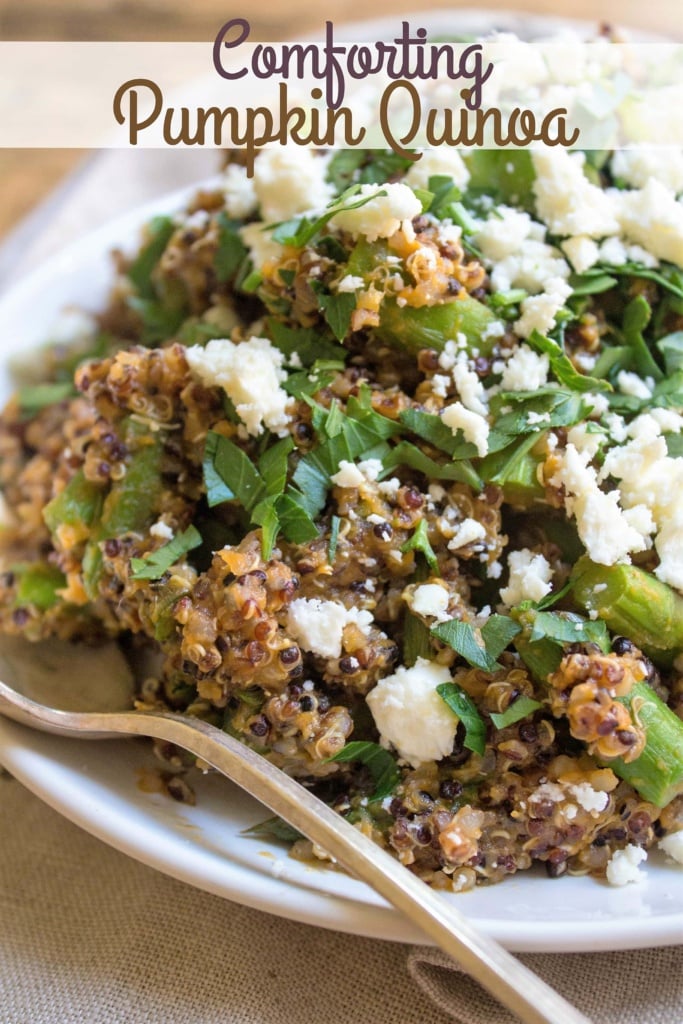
x: 467, y: 532
x: 653, y: 218
x: 525, y: 370
x: 474, y: 427
x: 411, y: 716
x: 581, y: 251
x: 318, y: 625
x: 161, y: 530
x: 503, y: 233
x: 262, y: 248
x: 566, y: 200
x: 637, y: 166
x: 290, y: 180
x: 530, y: 577
x: 470, y: 388
x: 350, y: 283
x: 631, y: 384
x: 383, y: 215
x: 592, y: 800
x: 250, y: 373
x: 430, y: 599
x: 603, y: 526
x: 442, y: 161
x: 672, y: 846
x: 539, y: 311
x: 240, y: 195
x: 622, y: 867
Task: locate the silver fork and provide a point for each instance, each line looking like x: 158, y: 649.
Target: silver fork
x: 517, y: 988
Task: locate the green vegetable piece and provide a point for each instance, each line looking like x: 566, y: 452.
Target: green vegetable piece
x: 507, y: 175
x: 420, y: 542
x: 658, y: 773
x: 515, y: 712
x: 231, y: 251
x: 414, y: 328
x: 274, y: 828
x: 462, y: 705
x: 159, y: 231
x: 159, y: 562
x: 632, y: 603
x: 80, y: 503
x: 380, y: 763
x: 38, y: 585
x: 515, y: 469
x: 34, y: 397
x: 463, y: 639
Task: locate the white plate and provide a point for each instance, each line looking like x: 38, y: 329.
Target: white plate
x: 105, y: 787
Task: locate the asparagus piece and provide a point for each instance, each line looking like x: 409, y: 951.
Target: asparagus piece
x: 414, y: 328
x: 38, y: 585
x: 634, y: 604
x: 78, y: 505
x: 657, y: 775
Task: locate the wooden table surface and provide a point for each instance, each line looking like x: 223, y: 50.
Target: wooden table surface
x: 28, y: 176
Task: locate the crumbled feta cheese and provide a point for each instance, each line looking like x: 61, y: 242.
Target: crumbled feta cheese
x: 371, y: 468
x: 318, y: 625
x: 503, y: 234
x: 289, y: 180
x: 470, y: 388
x: 632, y: 384
x: 494, y: 329
x: 259, y: 242
x: 240, y: 195
x: 605, y: 531
x: 592, y: 800
x: 351, y: 475
x: 389, y: 488
x: 430, y: 599
x: 474, y: 427
x: 582, y: 252
x: 622, y: 867
x: 530, y: 577
x: 250, y: 373
x: 440, y: 383
x: 411, y: 716
x: 350, y: 283
x: 584, y: 440
x: 494, y: 570
x: 672, y: 845
x: 161, y: 530
x: 539, y: 311
x: 467, y: 532
x: 383, y: 215
x: 637, y: 166
x: 566, y: 200
x: 525, y: 370
x: 653, y: 218
x: 442, y: 161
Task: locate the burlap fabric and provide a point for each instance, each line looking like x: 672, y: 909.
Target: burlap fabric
x: 88, y: 936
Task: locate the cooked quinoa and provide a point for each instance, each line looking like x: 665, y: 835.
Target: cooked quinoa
x: 391, y: 489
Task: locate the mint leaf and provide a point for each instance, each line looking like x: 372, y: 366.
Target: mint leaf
x: 497, y: 632
x: 431, y: 428
x: 337, y: 310
x: 335, y: 523
x: 380, y: 763
x: 309, y: 343
x: 462, y: 638
x: 295, y: 522
x: 300, y: 231
x: 671, y: 348
x: 462, y: 705
x: 158, y: 562
x: 229, y: 470
x: 139, y: 272
x: 273, y: 828
x: 420, y: 542
x: 273, y: 465
x: 568, y: 628
x: 515, y: 712
x: 562, y: 366
x: 407, y: 454
x: 231, y: 251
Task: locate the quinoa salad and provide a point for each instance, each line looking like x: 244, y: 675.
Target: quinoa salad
x: 381, y: 463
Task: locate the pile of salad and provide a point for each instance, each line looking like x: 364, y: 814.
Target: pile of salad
x: 382, y: 459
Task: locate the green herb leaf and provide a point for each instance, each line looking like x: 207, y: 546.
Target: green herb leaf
x: 35, y: 397
x: 636, y: 318
x: 497, y: 632
x: 562, y: 366
x: 229, y: 471
x: 431, y: 428
x: 337, y: 310
x: 462, y: 638
x: 273, y: 828
x: 407, y: 454
x: 533, y: 412
x: 462, y: 705
x: 568, y: 628
x: 158, y: 562
x: 273, y: 465
x: 231, y: 251
x: 380, y: 763
x: 591, y: 284
x: 671, y: 348
x: 300, y: 231
x: 159, y: 231
x: 335, y: 523
x: 295, y: 522
x: 515, y: 712
x: 265, y: 515
x: 420, y: 542
x: 310, y: 343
